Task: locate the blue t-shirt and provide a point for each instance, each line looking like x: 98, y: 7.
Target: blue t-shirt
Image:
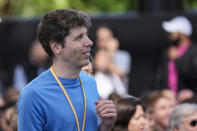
x: 42, y: 105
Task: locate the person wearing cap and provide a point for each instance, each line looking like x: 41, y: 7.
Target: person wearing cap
x: 178, y: 65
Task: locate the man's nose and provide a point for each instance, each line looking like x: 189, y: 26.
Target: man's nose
x: 88, y: 42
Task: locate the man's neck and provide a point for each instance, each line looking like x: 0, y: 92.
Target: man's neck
x: 65, y: 70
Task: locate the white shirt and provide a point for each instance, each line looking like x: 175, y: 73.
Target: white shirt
x: 107, y: 84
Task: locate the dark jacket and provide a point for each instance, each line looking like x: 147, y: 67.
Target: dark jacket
x: 186, y: 67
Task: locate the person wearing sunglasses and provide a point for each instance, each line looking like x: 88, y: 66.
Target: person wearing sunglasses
x: 183, y: 118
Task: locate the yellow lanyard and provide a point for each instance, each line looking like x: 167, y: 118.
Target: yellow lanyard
x: 71, y: 105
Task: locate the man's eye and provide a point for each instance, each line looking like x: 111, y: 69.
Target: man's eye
x: 79, y: 37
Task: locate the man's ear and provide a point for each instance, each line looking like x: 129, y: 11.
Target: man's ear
x: 56, y: 48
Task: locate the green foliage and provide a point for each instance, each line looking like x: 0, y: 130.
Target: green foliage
x: 37, y: 7
x: 103, y: 5
x: 191, y: 4
x: 32, y: 7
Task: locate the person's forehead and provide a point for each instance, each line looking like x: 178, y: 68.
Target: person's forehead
x: 75, y: 31
x: 78, y: 29
x: 161, y: 102
x: 191, y: 117
x: 104, y: 30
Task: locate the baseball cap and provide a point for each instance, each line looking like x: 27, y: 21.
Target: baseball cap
x: 178, y: 24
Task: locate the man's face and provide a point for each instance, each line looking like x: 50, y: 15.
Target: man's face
x: 77, y: 47
x: 190, y: 123
x: 161, y: 112
x: 175, y: 38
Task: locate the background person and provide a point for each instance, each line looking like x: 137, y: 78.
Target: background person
x: 159, y: 108
x: 28, y: 70
x: 183, y: 118
x: 121, y: 60
x: 130, y: 115
x: 178, y: 66
x: 107, y: 81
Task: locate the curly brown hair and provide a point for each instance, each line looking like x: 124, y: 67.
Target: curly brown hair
x: 55, y: 26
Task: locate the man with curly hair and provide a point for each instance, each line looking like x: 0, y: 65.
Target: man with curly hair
x: 63, y: 98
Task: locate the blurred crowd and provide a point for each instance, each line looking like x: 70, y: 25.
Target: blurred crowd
x: 171, y: 107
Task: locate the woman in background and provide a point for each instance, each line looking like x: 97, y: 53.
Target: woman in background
x: 130, y: 115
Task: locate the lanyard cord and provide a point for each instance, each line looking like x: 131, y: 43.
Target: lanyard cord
x: 70, y: 103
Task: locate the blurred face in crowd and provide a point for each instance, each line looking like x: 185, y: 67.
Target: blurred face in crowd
x: 170, y: 96
x: 184, y: 95
x: 112, y: 45
x: 161, y: 112
x: 189, y: 123
x: 88, y: 69
x: 137, y: 122
x: 103, y: 34
x: 101, y: 60
x: 175, y: 37
x: 5, y: 120
x: 38, y: 56
x: 150, y: 122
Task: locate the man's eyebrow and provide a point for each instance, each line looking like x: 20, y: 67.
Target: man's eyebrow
x: 81, y: 34
x: 78, y: 35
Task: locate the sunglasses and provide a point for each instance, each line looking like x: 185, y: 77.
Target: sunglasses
x: 193, y: 123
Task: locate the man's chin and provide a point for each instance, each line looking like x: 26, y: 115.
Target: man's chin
x: 85, y: 63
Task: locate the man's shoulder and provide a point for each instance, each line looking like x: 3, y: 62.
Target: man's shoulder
x: 38, y: 82
x: 31, y: 88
